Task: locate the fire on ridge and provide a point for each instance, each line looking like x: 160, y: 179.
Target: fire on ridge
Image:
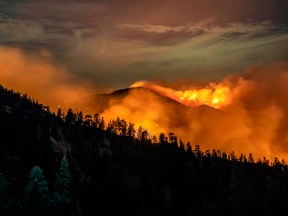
x: 214, y: 95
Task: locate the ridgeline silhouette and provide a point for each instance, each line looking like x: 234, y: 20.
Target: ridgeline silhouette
x: 70, y: 164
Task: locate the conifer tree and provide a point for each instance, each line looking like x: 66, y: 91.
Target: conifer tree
x: 97, y: 120
x: 79, y: 117
x: 250, y: 158
x: 63, y: 183
x: 36, y: 191
x: 102, y: 124
x: 37, y: 181
x: 59, y: 114
x: 131, y: 130
x: 70, y: 117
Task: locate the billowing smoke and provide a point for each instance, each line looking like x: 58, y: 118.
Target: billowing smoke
x: 142, y: 108
x: 243, y: 113
x: 40, y: 77
x: 251, y: 114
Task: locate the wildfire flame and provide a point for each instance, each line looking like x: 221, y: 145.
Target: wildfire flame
x: 214, y: 95
x: 254, y: 104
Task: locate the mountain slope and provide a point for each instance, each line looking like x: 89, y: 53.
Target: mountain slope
x: 122, y: 175
x: 100, y: 102
x: 155, y: 112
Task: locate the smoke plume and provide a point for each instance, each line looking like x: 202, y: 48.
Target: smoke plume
x: 243, y: 113
x: 40, y: 77
x: 250, y: 112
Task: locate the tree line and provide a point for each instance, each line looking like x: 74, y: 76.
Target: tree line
x: 123, y: 128
x: 115, y: 168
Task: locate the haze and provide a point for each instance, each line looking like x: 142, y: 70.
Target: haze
x: 60, y: 52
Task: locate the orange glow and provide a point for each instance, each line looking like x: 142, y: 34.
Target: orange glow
x: 213, y: 95
x: 40, y: 78
x: 247, y: 113
x: 142, y: 108
x: 253, y: 116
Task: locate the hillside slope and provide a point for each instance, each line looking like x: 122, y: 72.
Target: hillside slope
x: 126, y: 175
x: 155, y: 112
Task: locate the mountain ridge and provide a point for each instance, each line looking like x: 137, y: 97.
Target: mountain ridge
x: 155, y: 112
x: 101, y: 101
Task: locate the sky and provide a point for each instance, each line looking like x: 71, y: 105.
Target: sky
x: 112, y: 44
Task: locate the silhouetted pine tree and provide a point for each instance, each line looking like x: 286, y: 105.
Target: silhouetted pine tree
x: 63, y: 183
x: 36, y: 192
x: 131, y: 130
x: 102, y: 124
x: 60, y: 114
x: 70, y: 117
x: 97, y: 120
x: 79, y: 118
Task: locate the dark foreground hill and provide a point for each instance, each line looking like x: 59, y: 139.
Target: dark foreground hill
x: 127, y: 174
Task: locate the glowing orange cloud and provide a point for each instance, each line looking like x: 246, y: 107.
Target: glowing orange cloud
x: 247, y: 113
x: 39, y: 77
x: 253, y: 116
x: 144, y: 111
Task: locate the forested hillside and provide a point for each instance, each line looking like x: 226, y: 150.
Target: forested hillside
x: 70, y: 164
